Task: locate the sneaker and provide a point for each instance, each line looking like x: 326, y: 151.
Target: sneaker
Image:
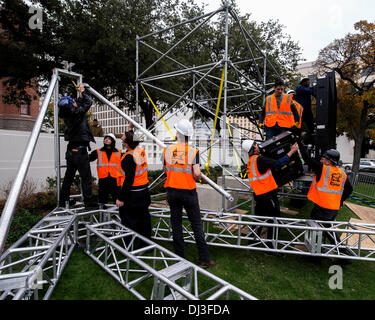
x: 206, y: 265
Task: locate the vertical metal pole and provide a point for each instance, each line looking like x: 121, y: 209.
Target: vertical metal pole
x: 193, y: 98
x: 223, y: 128
x: 136, y: 78
x: 10, y: 205
x: 56, y: 126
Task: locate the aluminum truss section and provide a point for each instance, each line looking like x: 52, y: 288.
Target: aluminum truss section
x: 355, y: 241
x: 150, y: 271
x: 32, y: 266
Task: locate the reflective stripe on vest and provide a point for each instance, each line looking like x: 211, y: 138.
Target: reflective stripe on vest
x: 178, y: 166
x: 140, y: 177
x: 107, y: 167
x: 283, y: 116
x: 260, y: 183
x: 325, y: 193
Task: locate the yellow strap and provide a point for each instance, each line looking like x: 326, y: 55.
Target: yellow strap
x: 207, y: 165
x: 77, y: 88
x: 235, y: 153
x: 158, y: 112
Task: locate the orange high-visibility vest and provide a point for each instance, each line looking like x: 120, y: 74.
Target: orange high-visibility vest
x: 105, y: 167
x: 260, y: 183
x: 141, y: 173
x: 283, y: 116
x: 300, y: 111
x: 299, y: 108
x: 327, y: 192
x: 179, y: 166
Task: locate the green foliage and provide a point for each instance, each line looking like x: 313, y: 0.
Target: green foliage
x: 99, y: 37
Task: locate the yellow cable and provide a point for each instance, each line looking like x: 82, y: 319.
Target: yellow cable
x: 207, y: 165
x: 158, y: 112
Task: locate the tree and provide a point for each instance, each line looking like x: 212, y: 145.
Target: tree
x: 99, y: 37
x: 353, y: 58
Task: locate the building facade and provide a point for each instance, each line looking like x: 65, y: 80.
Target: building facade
x: 21, y: 118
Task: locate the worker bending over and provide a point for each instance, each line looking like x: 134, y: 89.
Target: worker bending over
x: 181, y: 165
x: 262, y: 181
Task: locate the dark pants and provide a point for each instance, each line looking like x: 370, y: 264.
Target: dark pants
x: 318, y: 213
x: 108, y: 187
x: 77, y: 160
x: 134, y: 213
x: 274, y: 131
x: 267, y: 206
x: 187, y: 199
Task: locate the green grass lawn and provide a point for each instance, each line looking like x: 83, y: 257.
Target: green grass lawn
x: 289, y: 277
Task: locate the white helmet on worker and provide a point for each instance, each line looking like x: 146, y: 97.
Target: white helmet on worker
x: 247, y: 145
x: 184, y: 127
x: 111, y: 135
x: 291, y: 92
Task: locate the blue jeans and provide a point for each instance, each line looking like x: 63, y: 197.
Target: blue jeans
x: 274, y: 131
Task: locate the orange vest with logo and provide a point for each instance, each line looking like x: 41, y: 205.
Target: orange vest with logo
x: 178, y: 160
x: 260, y: 183
x: 107, y: 168
x: 283, y: 116
x: 141, y: 174
x: 327, y: 192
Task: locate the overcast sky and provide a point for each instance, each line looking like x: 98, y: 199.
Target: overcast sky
x: 313, y: 24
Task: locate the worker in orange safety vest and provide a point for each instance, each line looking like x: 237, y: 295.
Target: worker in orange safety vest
x: 107, y: 163
x: 262, y: 182
x: 181, y: 165
x: 134, y: 197
x: 279, y: 112
x: 329, y: 188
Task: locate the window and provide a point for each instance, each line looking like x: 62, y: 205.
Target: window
x: 25, y: 109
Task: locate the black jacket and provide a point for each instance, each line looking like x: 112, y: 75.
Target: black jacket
x: 77, y: 128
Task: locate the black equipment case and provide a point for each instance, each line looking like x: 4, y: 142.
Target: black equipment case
x: 277, y: 147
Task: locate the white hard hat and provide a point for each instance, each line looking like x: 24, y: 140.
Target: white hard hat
x: 184, y: 127
x: 110, y: 135
x: 247, y: 145
x: 291, y: 92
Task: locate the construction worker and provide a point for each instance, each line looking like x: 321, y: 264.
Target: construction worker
x: 262, y: 181
x: 303, y: 97
x: 299, y: 108
x: 96, y: 129
x: 181, y: 165
x: 134, y: 197
x: 108, y: 162
x: 279, y: 112
x: 329, y: 189
x: 77, y: 132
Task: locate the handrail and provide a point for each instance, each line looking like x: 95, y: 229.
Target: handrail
x: 10, y: 204
x: 152, y: 137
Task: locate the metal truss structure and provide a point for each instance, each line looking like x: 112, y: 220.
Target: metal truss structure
x: 150, y: 271
x: 354, y: 241
x: 31, y: 268
x: 244, y: 78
